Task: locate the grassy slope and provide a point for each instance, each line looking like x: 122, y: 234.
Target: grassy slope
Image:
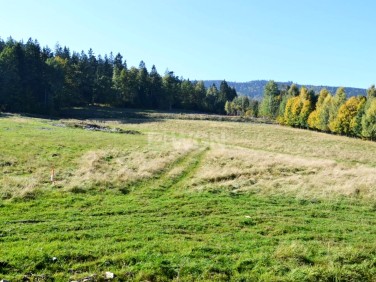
x: 185, y: 219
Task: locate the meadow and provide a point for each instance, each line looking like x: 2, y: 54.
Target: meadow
x: 169, y: 197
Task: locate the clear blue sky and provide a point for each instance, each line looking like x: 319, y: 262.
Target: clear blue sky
x: 321, y: 42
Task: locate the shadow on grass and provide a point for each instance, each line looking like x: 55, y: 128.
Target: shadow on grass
x: 138, y: 116
x: 4, y: 115
x: 108, y: 113
x: 94, y: 113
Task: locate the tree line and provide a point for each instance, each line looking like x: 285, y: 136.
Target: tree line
x: 38, y: 80
x: 303, y: 108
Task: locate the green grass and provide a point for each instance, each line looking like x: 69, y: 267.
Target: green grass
x: 172, y: 225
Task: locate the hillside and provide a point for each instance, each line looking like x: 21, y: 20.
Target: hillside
x: 151, y: 196
x: 255, y: 88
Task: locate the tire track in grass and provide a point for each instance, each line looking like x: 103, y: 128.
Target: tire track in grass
x: 187, y: 169
x: 174, y: 176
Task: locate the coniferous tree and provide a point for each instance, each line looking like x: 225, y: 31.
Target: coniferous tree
x: 199, y: 96
x: 211, y: 98
x: 170, y: 85
x: 187, y: 94
x: 10, y: 80
x: 143, y: 98
x: 156, y: 91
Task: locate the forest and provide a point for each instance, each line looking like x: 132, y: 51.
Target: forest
x: 303, y: 108
x: 38, y: 80
x: 41, y: 81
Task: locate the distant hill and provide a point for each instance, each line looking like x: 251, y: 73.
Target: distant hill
x: 255, y: 88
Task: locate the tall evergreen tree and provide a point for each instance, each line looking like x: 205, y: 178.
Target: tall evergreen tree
x: 156, y: 92
x: 143, y: 99
x: 171, y: 90
x: 199, y: 96
x: 211, y: 98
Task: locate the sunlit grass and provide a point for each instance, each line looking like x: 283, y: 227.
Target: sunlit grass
x: 185, y: 201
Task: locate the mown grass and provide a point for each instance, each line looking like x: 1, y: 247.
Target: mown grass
x: 175, y: 223
x: 201, y: 236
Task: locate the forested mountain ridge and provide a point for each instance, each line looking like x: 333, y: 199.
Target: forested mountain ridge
x: 255, y: 88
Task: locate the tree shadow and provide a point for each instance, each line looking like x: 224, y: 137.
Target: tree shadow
x: 122, y: 115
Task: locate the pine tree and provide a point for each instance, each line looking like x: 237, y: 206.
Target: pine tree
x: 187, y: 92
x: 211, y: 99
x: 143, y: 100
x: 10, y: 80
x: 155, y: 88
x: 199, y: 95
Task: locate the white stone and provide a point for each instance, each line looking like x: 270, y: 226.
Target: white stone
x: 109, y: 275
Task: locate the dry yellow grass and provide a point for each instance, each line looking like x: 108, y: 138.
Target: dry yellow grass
x: 269, y: 138
x: 109, y: 168
x: 18, y: 186
x: 243, y: 157
x: 272, y: 159
x: 240, y: 170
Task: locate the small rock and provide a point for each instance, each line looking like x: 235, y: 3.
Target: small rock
x: 109, y: 275
x: 247, y: 216
x: 89, y: 278
x: 54, y: 259
x: 4, y: 280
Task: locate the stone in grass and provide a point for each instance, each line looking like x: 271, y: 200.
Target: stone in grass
x: 89, y: 278
x: 109, y: 275
x: 4, y: 280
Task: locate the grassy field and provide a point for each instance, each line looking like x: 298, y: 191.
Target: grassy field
x: 153, y: 197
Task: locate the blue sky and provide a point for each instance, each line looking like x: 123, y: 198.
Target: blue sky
x: 321, y: 42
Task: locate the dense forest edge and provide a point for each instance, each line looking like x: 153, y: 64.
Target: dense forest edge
x: 41, y: 81
x: 303, y: 108
x: 37, y: 80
